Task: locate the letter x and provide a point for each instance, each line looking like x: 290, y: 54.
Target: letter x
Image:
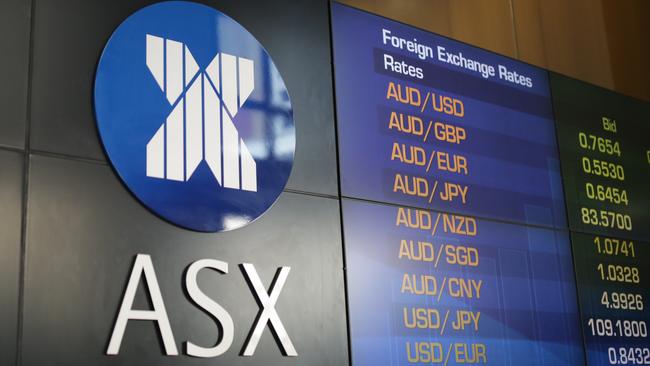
x: 267, y: 313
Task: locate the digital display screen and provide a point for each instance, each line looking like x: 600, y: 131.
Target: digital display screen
x: 494, y: 213
x: 445, y: 137
x: 605, y: 158
x: 480, y: 292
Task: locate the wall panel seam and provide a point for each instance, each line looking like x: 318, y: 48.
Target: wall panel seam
x: 514, y: 29
x: 25, y: 187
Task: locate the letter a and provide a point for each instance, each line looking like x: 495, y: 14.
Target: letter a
x: 158, y: 314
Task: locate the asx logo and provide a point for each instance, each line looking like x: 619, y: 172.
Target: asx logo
x: 204, y: 106
x: 194, y: 116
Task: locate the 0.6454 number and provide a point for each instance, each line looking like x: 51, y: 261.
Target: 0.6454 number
x: 603, y: 193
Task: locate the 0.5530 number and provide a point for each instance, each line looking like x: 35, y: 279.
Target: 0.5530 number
x: 603, y: 168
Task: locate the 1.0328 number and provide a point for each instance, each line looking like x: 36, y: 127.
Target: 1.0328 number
x: 618, y: 273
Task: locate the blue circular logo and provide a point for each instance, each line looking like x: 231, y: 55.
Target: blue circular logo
x: 194, y: 116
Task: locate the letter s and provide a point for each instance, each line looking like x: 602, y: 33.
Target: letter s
x: 209, y: 305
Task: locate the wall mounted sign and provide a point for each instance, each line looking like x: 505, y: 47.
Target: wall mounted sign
x: 194, y: 116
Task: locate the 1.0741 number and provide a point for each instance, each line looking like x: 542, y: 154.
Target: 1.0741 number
x: 615, y: 247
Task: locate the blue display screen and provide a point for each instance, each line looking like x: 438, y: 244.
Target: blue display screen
x: 456, y: 240
x: 429, y: 122
x: 489, y: 293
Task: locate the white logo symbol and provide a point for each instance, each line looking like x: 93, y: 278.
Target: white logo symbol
x: 200, y: 125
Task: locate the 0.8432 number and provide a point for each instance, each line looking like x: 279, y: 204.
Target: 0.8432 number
x: 629, y: 356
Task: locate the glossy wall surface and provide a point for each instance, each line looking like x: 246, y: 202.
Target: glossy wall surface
x: 70, y: 231
x: 14, y: 63
x: 83, y: 229
x: 11, y: 186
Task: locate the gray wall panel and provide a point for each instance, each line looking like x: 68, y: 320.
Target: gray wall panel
x: 68, y: 38
x: 11, y: 188
x: 14, y: 67
x: 296, y: 35
x: 84, y: 230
